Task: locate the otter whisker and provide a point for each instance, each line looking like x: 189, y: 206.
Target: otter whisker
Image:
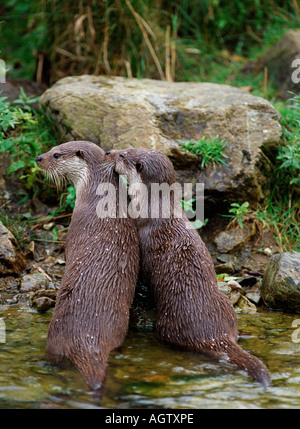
x: 105, y: 167
x: 48, y: 175
x: 110, y: 166
x: 53, y: 176
x: 106, y: 170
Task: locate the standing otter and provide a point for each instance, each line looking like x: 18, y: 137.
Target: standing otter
x: 92, y: 309
x: 192, y: 312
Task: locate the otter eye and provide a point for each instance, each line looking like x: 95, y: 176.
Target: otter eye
x: 56, y: 155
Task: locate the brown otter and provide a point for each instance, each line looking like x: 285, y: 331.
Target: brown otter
x: 92, y: 309
x: 192, y: 312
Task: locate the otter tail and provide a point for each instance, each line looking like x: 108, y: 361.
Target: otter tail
x: 91, y: 368
x: 235, y: 355
x: 93, y: 371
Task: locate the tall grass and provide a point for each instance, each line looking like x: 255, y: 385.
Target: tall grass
x: 120, y: 37
x: 162, y: 39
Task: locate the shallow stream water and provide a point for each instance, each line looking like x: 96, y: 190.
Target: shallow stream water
x: 147, y: 374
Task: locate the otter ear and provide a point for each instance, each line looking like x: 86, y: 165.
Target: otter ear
x: 139, y: 167
x: 80, y: 154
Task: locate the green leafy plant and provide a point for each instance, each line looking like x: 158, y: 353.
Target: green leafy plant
x: 24, y: 101
x: 239, y: 212
x: 280, y: 209
x: 284, y: 221
x: 227, y: 278
x: 11, y: 116
x: 290, y: 157
x: 71, y: 197
x: 18, y: 226
x: 187, y: 206
x: 289, y: 154
x: 24, y: 134
x: 66, y: 202
x: 210, y: 152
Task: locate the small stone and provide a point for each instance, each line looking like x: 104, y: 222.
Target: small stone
x: 254, y: 296
x: 43, y: 303
x: 226, y: 268
x: 48, y: 226
x: 34, y: 281
x: 227, y: 258
x: 246, y: 306
x: 235, y: 297
x: 230, y: 240
x: 45, y: 292
x: 235, y: 286
x: 224, y: 288
x: 267, y: 251
x: 29, y: 250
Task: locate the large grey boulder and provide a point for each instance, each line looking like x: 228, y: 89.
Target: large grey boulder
x: 117, y: 112
x: 281, y: 282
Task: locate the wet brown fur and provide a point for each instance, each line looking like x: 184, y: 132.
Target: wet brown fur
x: 92, y: 309
x: 192, y: 312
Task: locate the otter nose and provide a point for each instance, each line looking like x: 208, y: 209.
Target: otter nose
x: 107, y: 153
x: 39, y: 158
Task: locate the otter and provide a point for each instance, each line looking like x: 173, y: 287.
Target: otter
x: 91, y: 314
x: 191, y: 311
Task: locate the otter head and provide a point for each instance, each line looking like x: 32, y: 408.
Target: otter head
x: 71, y: 162
x: 142, y: 165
